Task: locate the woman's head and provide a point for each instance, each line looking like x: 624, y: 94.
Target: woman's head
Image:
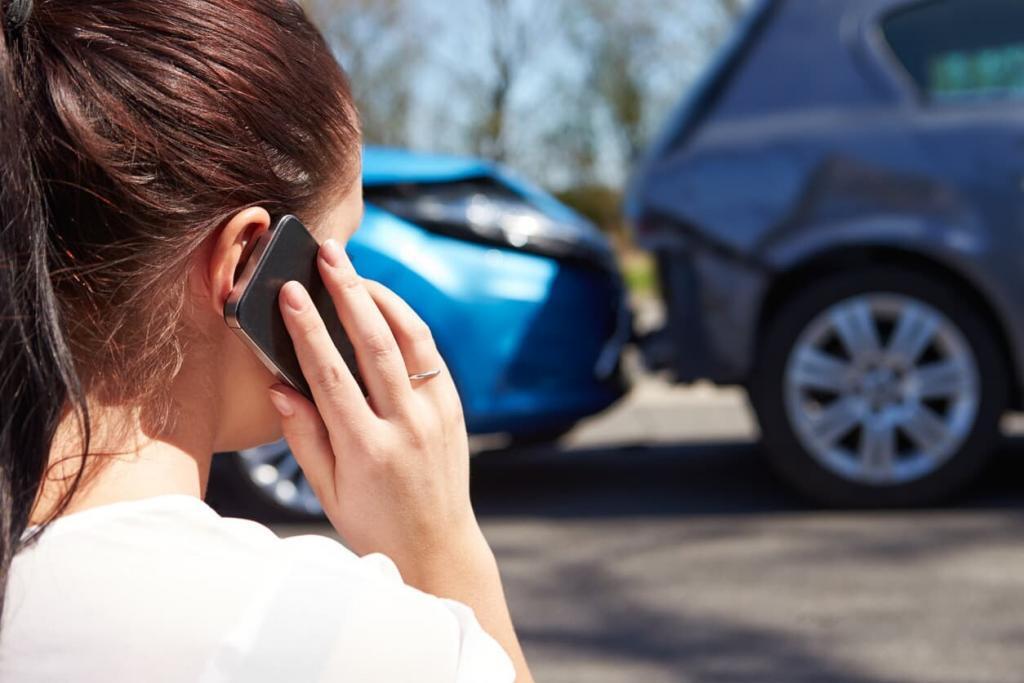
x: 142, y: 145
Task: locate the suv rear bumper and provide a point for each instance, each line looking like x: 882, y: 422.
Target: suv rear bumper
x: 712, y: 305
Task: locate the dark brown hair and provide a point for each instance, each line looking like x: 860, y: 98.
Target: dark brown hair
x: 130, y: 130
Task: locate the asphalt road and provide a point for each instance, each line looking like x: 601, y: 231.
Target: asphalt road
x: 656, y: 546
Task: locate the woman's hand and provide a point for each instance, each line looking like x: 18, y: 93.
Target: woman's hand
x: 391, y: 469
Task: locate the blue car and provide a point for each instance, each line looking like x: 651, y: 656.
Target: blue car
x: 523, y: 295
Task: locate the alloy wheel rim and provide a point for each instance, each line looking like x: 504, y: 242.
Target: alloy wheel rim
x: 274, y: 471
x: 882, y: 389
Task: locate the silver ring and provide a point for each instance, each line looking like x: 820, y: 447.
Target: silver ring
x: 429, y: 374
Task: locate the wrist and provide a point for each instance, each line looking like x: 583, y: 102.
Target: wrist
x: 463, y: 562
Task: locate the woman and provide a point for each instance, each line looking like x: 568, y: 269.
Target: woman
x: 143, y: 146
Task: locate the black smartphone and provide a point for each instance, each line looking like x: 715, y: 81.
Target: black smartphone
x: 284, y: 253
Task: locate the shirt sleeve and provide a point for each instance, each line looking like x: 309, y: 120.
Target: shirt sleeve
x: 480, y: 657
x: 332, y: 616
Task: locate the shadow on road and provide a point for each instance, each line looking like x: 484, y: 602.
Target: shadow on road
x: 693, y: 563
x: 676, y: 479
x: 670, y: 639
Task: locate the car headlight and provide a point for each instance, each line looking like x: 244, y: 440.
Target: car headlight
x: 487, y: 211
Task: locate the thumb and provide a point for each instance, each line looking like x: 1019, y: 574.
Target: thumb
x: 307, y: 437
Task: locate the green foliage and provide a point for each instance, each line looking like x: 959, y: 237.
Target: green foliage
x: 603, y: 205
x: 640, y: 274
x: 600, y: 203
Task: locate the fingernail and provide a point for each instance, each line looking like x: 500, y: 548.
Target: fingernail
x: 281, y: 403
x: 294, y: 295
x: 331, y: 252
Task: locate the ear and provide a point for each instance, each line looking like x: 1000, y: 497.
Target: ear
x: 231, y: 245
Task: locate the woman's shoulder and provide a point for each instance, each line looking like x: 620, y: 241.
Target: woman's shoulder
x: 169, y: 530
x: 247, y: 604
x: 176, y: 541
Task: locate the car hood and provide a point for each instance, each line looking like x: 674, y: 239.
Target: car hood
x: 389, y: 166
x: 385, y: 166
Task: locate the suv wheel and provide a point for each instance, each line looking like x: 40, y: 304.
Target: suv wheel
x: 879, y: 387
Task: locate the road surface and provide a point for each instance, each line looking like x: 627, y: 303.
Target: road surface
x: 656, y: 546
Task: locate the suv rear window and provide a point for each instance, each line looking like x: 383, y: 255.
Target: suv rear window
x: 961, y: 50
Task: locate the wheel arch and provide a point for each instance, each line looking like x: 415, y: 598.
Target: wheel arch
x: 799, y: 275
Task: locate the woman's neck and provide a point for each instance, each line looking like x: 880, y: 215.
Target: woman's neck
x: 127, y: 460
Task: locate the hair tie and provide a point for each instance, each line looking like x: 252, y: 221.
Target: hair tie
x: 17, y: 14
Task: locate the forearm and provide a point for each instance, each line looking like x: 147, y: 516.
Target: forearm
x: 468, y: 572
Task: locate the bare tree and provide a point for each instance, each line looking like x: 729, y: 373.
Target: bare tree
x: 734, y: 7
x: 379, y: 42
x: 635, y: 52
x: 619, y: 44
x: 568, y: 143
x: 569, y: 91
x: 508, y: 51
x: 492, y: 49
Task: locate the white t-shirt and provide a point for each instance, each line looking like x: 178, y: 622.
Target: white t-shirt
x: 165, y: 589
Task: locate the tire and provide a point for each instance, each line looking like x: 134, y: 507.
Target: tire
x: 895, y: 454
x: 234, y: 490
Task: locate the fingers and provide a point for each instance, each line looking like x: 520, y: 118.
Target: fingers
x: 412, y: 334
x: 379, y: 357
x: 335, y: 390
x: 417, y: 345
x: 307, y: 436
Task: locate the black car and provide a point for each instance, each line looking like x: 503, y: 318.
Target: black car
x: 838, y: 217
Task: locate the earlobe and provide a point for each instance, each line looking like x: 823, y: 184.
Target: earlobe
x: 231, y: 245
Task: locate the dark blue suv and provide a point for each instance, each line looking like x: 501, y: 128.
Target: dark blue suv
x: 838, y: 215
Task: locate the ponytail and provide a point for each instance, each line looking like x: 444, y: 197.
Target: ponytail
x: 37, y: 376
